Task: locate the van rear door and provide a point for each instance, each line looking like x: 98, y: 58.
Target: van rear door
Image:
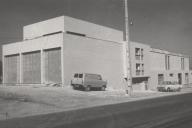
x: 78, y: 79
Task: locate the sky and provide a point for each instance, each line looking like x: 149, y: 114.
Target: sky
x: 164, y: 24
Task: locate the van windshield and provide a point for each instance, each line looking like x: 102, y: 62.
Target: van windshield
x: 76, y: 75
x: 80, y: 75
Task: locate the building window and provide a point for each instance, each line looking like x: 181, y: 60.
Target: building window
x: 141, y: 54
x: 171, y: 75
x: 142, y: 69
x: 182, y: 64
x: 137, y: 53
x: 137, y: 69
x: 167, y: 62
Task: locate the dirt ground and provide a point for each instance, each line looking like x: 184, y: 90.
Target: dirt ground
x: 21, y: 101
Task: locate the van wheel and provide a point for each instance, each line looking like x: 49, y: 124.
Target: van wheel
x: 103, y: 88
x: 88, y: 88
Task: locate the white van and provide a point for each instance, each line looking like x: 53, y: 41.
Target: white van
x: 88, y: 81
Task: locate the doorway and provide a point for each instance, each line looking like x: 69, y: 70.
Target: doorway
x: 179, y: 78
x: 160, y: 79
x: 186, y: 78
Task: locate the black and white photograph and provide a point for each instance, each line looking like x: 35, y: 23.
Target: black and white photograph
x: 95, y: 64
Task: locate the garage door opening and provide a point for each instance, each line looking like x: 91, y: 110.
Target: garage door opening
x: 140, y: 83
x: 52, y: 65
x: 11, y: 70
x: 32, y: 67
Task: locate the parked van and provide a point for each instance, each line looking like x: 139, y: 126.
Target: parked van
x: 88, y: 81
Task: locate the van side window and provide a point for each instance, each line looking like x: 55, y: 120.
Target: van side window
x: 91, y: 76
x: 80, y: 75
x: 76, y: 75
x: 99, y: 77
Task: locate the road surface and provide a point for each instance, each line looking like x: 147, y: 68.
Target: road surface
x: 164, y: 112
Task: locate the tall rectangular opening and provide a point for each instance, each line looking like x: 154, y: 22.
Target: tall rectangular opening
x: 32, y: 67
x: 11, y: 69
x: 52, y: 65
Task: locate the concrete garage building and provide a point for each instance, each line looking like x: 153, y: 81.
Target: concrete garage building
x: 53, y: 50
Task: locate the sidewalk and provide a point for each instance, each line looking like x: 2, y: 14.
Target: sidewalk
x: 20, y: 101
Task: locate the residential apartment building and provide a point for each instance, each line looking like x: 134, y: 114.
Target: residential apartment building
x: 140, y: 62
x: 153, y: 66
x: 168, y: 66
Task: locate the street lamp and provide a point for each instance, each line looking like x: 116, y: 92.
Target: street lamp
x: 127, y: 45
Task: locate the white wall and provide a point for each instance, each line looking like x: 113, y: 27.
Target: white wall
x: 186, y: 63
x: 33, y: 45
x: 145, y: 61
x: 89, y: 55
x: 175, y: 62
x: 157, y: 61
x: 65, y: 23
x: 44, y: 27
x: 92, y: 30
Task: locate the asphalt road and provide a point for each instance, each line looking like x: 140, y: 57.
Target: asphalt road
x: 164, y: 112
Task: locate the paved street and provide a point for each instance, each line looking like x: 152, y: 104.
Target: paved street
x: 22, y: 101
x: 184, y: 122
x: 164, y: 112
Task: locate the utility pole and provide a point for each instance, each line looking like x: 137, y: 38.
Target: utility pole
x: 128, y: 52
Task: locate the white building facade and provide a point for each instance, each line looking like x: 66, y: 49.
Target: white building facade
x: 53, y: 50
x: 168, y: 66
x: 153, y: 66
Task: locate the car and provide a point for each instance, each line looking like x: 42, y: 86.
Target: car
x: 88, y: 81
x: 169, y: 86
